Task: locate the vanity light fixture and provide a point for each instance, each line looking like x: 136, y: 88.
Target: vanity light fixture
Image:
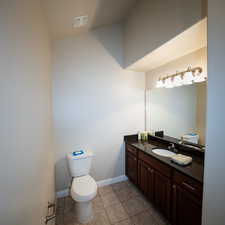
x: 199, y: 77
x: 187, y: 77
x: 169, y: 82
x: 160, y: 83
x: 178, y: 81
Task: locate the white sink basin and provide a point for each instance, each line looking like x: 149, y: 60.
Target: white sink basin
x: 163, y: 152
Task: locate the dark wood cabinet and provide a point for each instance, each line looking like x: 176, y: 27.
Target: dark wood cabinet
x: 187, y: 200
x: 176, y: 195
x: 186, y: 207
x: 154, y: 181
x: 155, y: 186
x: 162, y: 186
x: 145, y: 179
x: 131, y: 167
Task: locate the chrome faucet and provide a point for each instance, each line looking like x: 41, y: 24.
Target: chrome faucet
x: 172, y: 148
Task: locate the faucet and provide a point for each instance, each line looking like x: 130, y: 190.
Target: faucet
x: 172, y: 148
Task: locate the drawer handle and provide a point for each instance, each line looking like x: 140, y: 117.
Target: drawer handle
x: 188, y: 186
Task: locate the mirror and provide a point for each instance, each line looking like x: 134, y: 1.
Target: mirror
x: 177, y: 111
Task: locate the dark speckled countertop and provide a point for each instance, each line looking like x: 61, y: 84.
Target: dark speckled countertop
x: 194, y: 170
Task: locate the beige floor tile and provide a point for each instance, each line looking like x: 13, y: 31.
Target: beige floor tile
x: 116, y: 213
x: 135, y: 205
x: 145, y: 201
x: 134, y: 191
x: 105, y: 190
x: 108, y: 210
x: 144, y: 218
x: 59, y: 219
x: 97, y: 204
x: 119, y: 186
x: 124, y: 222
x: 59, y: 211
x: 60, y: 202
x: 69, y: 203
x: 110, y: 199
x: 133, y: 188
x: 70, y: 218
x: 100, y: 218
x: 161, y: 220
x: 124, y: 194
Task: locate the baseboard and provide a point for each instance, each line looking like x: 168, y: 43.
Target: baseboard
x: 101, y: 183
x: 63, y: 193
x: 113, y: 180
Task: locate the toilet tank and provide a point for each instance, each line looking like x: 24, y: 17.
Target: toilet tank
x: 80, y: 162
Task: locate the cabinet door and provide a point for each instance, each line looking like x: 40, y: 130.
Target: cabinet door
x: 162, y: 187
x: 131, y: 167
x: 143, y: 170
x: 186, y: 207
x: 145, y: 179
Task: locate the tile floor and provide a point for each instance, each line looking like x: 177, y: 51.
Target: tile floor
x: 117, y: 204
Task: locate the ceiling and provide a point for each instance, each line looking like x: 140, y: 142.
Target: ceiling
x: 60, y: 14
x: 185, y: 43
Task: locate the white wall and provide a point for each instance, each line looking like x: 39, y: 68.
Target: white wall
x: 95, y: 101
x: 26, y: 160
x: 153, y: 23
x: 214, y: 177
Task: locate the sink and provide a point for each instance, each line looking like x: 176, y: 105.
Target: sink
x: 163, y: 152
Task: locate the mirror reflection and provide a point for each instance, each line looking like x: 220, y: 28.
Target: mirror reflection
x: 178, y: 111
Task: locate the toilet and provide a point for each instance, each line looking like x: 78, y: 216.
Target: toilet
x: 84, y: 187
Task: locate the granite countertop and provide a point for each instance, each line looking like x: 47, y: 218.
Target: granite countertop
x: 194, y: 170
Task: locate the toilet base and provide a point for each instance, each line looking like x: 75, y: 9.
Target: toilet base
x: 84, y: 212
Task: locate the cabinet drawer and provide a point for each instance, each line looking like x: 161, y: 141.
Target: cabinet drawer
x: 131, y: 149
x: 162, y: 168
x: 188, y: 183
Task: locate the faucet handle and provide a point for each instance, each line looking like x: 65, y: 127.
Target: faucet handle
x: 171, y: 146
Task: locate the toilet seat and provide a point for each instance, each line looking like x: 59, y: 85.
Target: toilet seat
x: 83, y: 188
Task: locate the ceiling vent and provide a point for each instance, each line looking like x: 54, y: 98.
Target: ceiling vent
x: 80, y: 21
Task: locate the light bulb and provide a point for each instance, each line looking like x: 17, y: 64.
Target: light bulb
x: 200, y: 77
x: 178, y: 81
x: 169, y: 83
x: 159, y: 84
x: 188, y: 78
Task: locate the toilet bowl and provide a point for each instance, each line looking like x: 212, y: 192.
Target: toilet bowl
x: 83, y: 190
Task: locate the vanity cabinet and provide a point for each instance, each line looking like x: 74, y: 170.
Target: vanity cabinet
x: 162, y: 186
x: 176, y: 195
x: 187, y: 200
x: 145, y: 179
x: 154, y: 180
x: 131, y: 164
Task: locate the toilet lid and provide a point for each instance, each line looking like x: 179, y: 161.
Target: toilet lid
x: 83, y: 188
